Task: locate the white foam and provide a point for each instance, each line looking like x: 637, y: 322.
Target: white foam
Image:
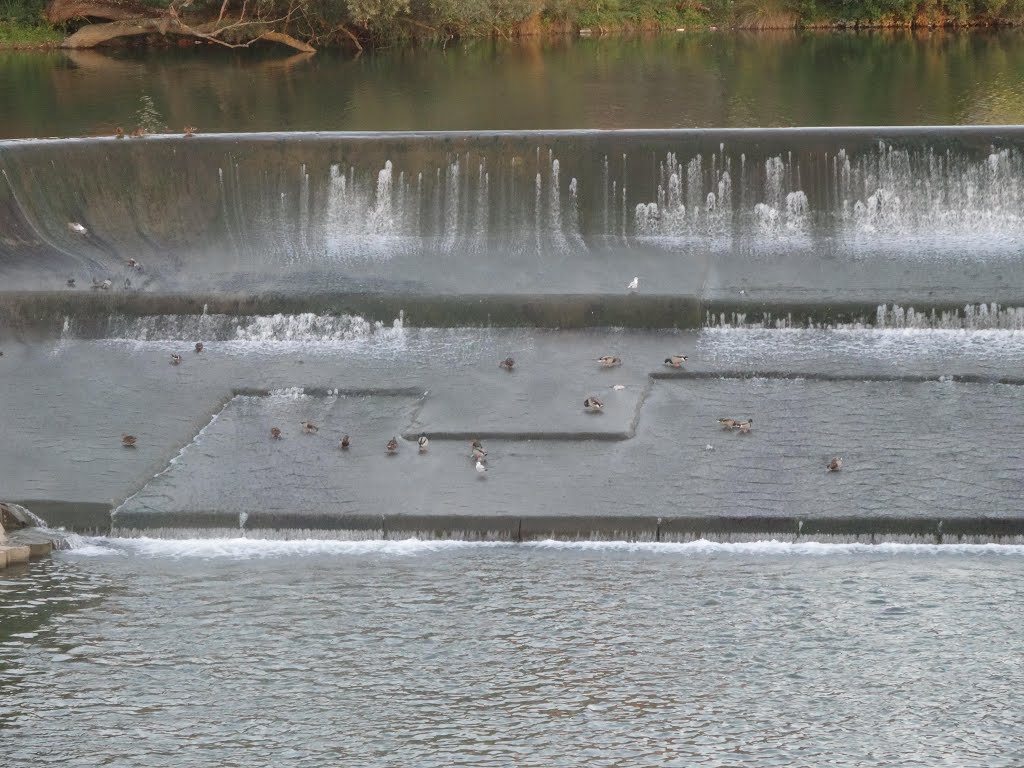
x: 242, y: 548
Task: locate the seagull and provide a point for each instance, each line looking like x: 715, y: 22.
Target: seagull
x: 128, y: 441
x: 634, y: 284
x: 835, y: 465
x: 480, y: 468
x: 175, y: 358
x: 392, y: 446
x: 310, y: 428
x: 676, y: 361
x: 77, y: 228
x: 275, y: 433
x: 424, y: 442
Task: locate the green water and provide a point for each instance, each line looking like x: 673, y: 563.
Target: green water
x: 720, y: 79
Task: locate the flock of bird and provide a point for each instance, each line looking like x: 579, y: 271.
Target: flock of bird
x: 591, y: 404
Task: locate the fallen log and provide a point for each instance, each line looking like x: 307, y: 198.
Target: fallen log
x: 93, y: 35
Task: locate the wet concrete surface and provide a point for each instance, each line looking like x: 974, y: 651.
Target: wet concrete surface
x: 916, y: 449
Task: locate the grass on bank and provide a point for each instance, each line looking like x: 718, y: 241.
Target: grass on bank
x: 14, y: 35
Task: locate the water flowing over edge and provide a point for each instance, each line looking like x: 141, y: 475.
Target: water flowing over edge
x: 241, y: 548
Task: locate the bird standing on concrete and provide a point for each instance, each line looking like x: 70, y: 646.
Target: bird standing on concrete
x: 676, y: 361
x: 199, y: 347
x: 835, y: 465
x: 344, y: 444
x: 175, y: 358
x: 593, y: 405
x: 480, y: 468
x: 275, y: 433
x: 609, y: 361
x: 508, y: 364
x: 310, y: 428
x: 128, y: 441
x: 424, y: 442
x: 634, y: 284
x: 392, y: 446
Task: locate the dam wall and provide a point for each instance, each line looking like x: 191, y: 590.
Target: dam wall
x: 754, y: 222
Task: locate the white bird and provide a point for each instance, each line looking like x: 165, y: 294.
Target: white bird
x: 74, y: 226
x: 634, y: 284
x: 480, y: 468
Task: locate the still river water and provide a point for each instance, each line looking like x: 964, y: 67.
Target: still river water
x: 231, y: 653
x: 699, y: 79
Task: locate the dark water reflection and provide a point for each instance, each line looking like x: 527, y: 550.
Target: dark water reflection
x: 678, y: 80
x: 430, y: 654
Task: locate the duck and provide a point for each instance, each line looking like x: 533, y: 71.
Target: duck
x: 392, y: 446
x: 119, y: 132
x: 508, y: 364
x: 835, y: 464
x: 676, y: 361
x: 190, y: 130
x: 345, y: 443
x: 729, y: 423
x: 70, y: 283
x: 199, y: 347
x: 275, y: 433
x: 310, y: 428
x: 131, y: 263
x: 138, y: 133
x: 609, y: 361
x: 424, y: 442
x: 175, y: 358
x: 478, y: 453
x: 101, y: 285
x: 744, y: 426
x: 127, y: 283
x: 128, y: 441
x: 593, y: 404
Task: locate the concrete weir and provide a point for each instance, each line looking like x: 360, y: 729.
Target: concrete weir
x: 858, y: 292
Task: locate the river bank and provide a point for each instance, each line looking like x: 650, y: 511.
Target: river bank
x: 307, y: 26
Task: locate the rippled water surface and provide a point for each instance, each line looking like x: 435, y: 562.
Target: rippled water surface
x: 237, y: 652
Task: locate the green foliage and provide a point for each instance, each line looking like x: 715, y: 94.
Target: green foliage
x: 22, y: 12
x: 386, y: 21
